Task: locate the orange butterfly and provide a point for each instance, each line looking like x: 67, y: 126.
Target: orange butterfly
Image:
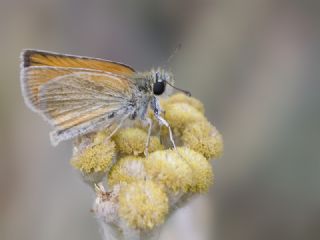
x: 78, y: 95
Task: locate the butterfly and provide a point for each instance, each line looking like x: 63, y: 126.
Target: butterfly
x: 79, y: 95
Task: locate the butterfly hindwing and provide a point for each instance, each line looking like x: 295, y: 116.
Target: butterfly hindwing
x: 83, y: 102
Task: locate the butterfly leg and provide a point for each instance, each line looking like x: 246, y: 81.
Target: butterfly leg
x: 155, y: 105
x: 146, y: 150
x: 162, y: 121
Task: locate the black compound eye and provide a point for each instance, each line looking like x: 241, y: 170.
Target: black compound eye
x: 159, y: 87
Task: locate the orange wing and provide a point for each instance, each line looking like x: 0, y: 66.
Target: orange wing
x: 41, y: 58
x: 39, y: 67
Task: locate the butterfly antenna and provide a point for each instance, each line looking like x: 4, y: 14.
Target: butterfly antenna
x: 179, y: 89
x: 175, y: 51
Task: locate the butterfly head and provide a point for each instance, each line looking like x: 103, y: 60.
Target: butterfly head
x: 161, y: 80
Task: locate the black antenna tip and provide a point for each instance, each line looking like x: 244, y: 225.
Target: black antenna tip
x: 187, y: 93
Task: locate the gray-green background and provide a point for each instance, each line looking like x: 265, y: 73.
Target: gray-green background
x: 255, y: 64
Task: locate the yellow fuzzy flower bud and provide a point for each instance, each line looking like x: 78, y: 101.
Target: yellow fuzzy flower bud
x: 202, y: 175
x: 97, y: 158
x: 127, y: 170
x: 183, y: 98
x: 180, y: 114
x: 168, y: 168
x: 203, y: 138
x: 143, y: 204
x: 132, y: 141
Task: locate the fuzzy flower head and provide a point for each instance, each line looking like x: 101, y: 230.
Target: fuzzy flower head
x: 180, y: 114
x: 204, y: 138
x: 127, y: 170
x: 183, y: 98
x: 132, y: 141
x: 169, y: 169
x: 202, y: 175
x: 97, y: 158
x: 143, y: 204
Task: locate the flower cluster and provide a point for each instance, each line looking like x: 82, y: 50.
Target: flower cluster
x: 143, y: 191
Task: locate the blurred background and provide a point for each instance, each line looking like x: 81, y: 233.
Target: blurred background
x: 254, y: 64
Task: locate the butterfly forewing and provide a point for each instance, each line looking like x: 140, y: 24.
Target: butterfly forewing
x: 39, y: 67
x: 33, y: 78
